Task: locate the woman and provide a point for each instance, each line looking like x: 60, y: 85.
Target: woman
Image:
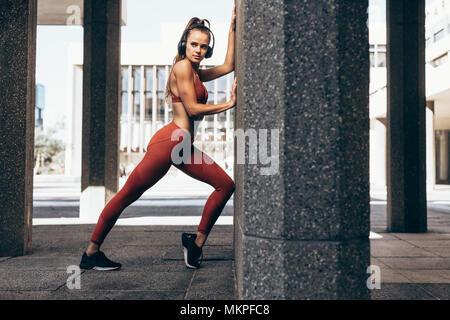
x: 189, y: 97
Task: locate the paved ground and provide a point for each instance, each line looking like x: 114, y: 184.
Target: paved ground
x: 152, y: 266
x: 413, y: 266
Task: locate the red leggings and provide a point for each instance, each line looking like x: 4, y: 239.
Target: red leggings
x: 155, y: 164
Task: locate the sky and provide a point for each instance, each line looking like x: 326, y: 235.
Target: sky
x: 143, y: 21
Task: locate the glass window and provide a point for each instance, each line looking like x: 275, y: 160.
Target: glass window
x: 232, y: 111
x: 372, y: 59
x: 222, y: 133
x: 148, y: 78
x: 161, y: 78
x: 222, y: 83
x: 148, y: 93
x: 221, y: 98
x: 124, y: 106
x: 209, y: 128
x: 381, y: 63
x: 137, y: 106
x: 148, y: 105
x: 136, y: 74
x: 124, y: 77
x: 210, y: 87
x: 442, y: 155
x: 137, y: 78
x: 161, y: 106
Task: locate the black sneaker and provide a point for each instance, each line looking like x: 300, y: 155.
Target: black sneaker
x: 98, y: 261
x: 192, y: 253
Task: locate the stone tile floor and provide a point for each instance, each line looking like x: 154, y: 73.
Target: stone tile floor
x: 152, y: 265
x: 413, y: 266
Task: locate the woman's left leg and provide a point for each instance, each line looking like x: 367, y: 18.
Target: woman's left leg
x: 211, y: 173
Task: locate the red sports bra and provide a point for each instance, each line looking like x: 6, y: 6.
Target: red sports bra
x: 200, y: 91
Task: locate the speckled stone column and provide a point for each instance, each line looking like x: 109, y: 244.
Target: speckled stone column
x: 303, y: 68
x: 406, y: 118
x: 17, y: 92
x: 100, y: 129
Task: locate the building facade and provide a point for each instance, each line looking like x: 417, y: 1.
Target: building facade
x: 437, y: 30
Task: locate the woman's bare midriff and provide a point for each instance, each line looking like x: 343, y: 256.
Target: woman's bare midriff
x: 182, y: 119
x: 180, y: 116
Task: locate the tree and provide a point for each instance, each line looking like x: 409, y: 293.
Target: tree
x: 48, y: 151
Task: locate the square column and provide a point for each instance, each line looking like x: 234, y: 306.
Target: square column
x: 100, y: 129
x: 406, y: 118
x: 302, y: 221
x: 17, y: 91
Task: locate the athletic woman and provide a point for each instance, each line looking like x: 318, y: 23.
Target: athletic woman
x: 189, y: 97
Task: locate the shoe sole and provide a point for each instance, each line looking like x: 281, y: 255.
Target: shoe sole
x: 186, y: 259
x: 98, y: 268
x: 105, y: 268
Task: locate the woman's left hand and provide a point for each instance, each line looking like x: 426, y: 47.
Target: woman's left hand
x: 233, y: 19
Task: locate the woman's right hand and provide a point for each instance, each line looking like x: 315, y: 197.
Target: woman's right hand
x: 233, y: 93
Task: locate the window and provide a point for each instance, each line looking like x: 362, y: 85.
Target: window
x: 210, y: 87
x: 381, y: 60
x: 161, y: 78
x: 442, y: 156
x: 124, y: 93
x: 222, y: 96
x: 148, y: 93
x: 136, y: 92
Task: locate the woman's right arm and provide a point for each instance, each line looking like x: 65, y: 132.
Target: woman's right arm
x: 184, y: 74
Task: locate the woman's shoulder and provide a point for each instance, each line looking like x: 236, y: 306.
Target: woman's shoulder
x: 182, y: 66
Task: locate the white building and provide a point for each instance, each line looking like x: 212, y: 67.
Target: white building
x: 145, y: 68
x: 437, y: 31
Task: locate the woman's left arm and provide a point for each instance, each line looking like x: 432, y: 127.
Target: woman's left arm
x: 228, y: 65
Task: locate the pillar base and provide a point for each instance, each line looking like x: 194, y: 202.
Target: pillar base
x: 92, y: 202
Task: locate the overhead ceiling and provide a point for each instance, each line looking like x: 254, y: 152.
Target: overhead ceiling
x: 65, y: 12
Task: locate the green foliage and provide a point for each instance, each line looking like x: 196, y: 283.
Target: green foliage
x: 49, y: 148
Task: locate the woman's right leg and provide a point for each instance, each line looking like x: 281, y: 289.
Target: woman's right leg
x: 150, y: 170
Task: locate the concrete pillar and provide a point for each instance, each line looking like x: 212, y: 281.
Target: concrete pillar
x: 101, y: 80
x: 302, y: 227
x: 406, y: 137
x: 17, y: 103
